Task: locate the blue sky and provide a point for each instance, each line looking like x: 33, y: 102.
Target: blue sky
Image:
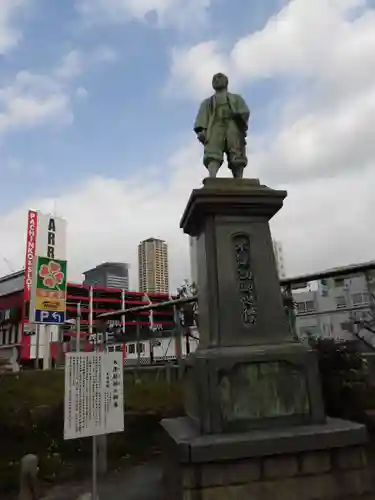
x: 97, y: 107
x: 125, y: 107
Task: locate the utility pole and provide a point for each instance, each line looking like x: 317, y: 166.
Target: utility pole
x: 78, y: 328
x: 178, y: 329
x: 47, y: 347
x: 37, y: 341
x: 100, y: 442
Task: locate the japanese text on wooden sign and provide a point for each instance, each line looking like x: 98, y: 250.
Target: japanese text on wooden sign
x: 93, y: 394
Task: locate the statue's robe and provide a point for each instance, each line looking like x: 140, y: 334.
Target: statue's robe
x: 224, y: 119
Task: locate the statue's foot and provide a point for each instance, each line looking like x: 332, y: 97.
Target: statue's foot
x: 237, y: 172
x: 213, y: 168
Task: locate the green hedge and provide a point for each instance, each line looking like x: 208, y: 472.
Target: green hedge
x: 346, y: 387
x: 31, y: 421
x: 31, y: 414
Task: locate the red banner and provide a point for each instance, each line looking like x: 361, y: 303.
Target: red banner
x: 32, y: 220
x: 30, y: 253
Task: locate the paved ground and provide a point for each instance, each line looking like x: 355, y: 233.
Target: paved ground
x: 141, y: 482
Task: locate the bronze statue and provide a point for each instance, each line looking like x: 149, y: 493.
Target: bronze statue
x: 221, y: 126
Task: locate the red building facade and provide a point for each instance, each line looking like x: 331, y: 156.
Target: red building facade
x: 17, y: 336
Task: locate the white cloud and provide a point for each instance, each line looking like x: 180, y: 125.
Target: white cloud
x: 186, y: 78
x: 77, y: 62
x: 323, y: 223
x: 35, y: 99
x: 24, y: 111
x: 13, y: 165
x: 325, y: 125
x: 180, y: 13
x: 309, y: 39
x: 10, y: 35
x: 319, y: 147
x: 81, y: 93
x: 71, y: 65
x: 131, y: 210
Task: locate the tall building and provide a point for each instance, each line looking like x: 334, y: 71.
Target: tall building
x: 279, y: 256
x: 108, y: 275
x: 153, y: 266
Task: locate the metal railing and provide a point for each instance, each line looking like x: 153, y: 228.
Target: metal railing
x: 177, y: 304
x: 148, y: 307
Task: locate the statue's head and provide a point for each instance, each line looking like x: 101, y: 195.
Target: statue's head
x: 220, y: 81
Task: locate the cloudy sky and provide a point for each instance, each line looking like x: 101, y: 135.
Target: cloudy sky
x: 98, y: 98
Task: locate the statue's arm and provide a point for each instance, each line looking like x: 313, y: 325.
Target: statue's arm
x: 244, y: 110
x: 241, y: 113
x: 201, y: 121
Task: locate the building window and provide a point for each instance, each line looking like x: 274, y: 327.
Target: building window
x: 360, y: 298
x: 306, y: 306
x: 347, y: 326
x: 310, y: 332
x: 310, y: 306
x: 141, y: 348
x: 114, y: 348
x: 301, y: 307
x: 339, y: 282
x: 357, y: 299
x: 341, y: 301
x: 131, y: 349
x: 361, y: 315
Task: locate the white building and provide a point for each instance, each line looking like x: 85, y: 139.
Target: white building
x: 340, y: 304
x: 279, y: 256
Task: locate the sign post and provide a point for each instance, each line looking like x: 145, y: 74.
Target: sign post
x: 93, y: 403
x: 46, y: 237
x: 48, y: 294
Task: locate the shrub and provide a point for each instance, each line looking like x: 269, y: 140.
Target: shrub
x: 344, y: 378
x: 31, y: 421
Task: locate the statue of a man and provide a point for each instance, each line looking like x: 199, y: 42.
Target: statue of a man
x: 221, y: 126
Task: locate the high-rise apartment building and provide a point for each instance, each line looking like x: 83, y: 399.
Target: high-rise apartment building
x: 153, y: 266
x: 108, y: 275
x: 279, y: 256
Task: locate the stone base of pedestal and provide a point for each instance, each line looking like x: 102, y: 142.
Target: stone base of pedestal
x: 303, y: 463
x: 238, y: 389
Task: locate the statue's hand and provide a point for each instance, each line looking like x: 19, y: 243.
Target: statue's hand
x: 201, y: 137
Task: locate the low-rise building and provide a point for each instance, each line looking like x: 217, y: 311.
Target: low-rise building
x: 336, y: 303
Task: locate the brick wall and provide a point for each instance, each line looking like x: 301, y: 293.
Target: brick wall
x: 333, y: 474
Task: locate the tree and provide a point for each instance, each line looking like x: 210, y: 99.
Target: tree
x: 188, y: 311
x: 289, y: 308
x: 355, y: 325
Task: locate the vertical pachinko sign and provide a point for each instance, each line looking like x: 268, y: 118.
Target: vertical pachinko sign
x: 32, y: 223
x: 46, y: 237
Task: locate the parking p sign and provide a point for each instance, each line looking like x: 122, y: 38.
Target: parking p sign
x: 48, y: 297
x: 49, y: 317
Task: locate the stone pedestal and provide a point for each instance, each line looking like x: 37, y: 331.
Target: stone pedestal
x: 252, y: 392
x: 295, y: 463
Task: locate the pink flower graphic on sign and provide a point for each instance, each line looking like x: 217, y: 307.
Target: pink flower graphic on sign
x: 51, y: 274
